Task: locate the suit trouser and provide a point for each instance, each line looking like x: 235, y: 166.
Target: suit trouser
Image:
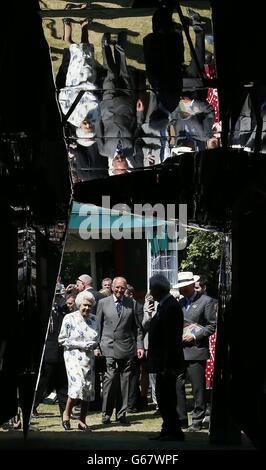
x: 196, y: 373
x: 117, y: 72
x: 166, y: 399
x: 134, y: 391
x: 116, y: 386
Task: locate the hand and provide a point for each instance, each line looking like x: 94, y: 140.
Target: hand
x: 140, y: 353
x: 151, y: 159
x: 188, y: 338
x: 140, y: 105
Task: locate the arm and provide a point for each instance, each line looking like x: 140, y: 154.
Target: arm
x: 138, y: 313
x: 99, y: 319
x: 210, y: 318
x: 148, y: 310
x: 65, y: 340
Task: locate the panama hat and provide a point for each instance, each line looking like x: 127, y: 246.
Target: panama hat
x: 185, y: 279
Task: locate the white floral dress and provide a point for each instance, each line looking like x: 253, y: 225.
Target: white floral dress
x: 81, y: 75
x: 79, y: 337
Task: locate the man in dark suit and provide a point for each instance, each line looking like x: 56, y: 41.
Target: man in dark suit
x: 164, y: 55
x: 119, y: 344
x: 165, y: 355
x: 200, y: 320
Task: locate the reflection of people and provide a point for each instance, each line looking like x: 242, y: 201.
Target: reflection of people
x: 197, y: 309
x: 80, y: 81
x: 165, y: 355
x: 106, y: 283
x: 164, y: 55
x: 73, y: 6
x: 119, y: 164
x: 78, y: 336
x: 118, y: 105
x: 192, y: 121
x: 117, y: 319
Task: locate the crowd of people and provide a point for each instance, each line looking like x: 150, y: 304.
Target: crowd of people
x: 105, y: 351
x: 116, y: 123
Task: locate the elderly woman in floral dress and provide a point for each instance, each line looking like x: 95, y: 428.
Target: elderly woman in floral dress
x: 79, y: 338
x: 81, y: 77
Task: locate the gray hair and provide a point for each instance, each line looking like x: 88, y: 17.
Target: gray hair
x: 175, y: 292
x: 86, y: 279
x: 119, y: 277
x: 158, y: 280
x: 84, y: 295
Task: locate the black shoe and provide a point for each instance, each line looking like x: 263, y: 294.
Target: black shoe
x: 195, y: 18
x: 132, y: 410
x: 84, y: 428
x: 68, y: 21
x: 123, y: 420
x: 73, y: 6
x: 106, y: 420
x: 194, y: 428
x: 106, y: 39
x: 66, y: 425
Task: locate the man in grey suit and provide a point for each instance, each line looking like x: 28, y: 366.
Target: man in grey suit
x: 121, y: 339
x: 200, y: 319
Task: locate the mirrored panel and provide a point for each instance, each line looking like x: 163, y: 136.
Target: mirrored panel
x: 135, y: 86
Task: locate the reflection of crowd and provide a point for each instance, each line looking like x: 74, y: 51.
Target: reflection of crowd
x: 105, y: 350
x: 112, y: 127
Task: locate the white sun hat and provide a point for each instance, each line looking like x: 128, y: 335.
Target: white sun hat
x: 185, y: 278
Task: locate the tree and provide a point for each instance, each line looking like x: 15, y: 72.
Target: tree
x: 202, y: 256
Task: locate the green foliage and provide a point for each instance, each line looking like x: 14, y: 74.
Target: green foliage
x: 74, y: 264
x: 202, y: 256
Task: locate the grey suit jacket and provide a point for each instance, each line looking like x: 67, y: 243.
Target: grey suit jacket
x: 201, y: 311
x: 118, y: 337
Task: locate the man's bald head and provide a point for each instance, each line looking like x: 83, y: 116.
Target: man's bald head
x: 83, y: 282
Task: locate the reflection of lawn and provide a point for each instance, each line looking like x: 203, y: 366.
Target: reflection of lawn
x: 137, y: 23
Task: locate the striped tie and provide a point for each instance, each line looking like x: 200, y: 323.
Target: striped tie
x: 119, y: 307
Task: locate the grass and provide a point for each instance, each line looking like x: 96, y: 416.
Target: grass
x: 137, y: 23
x: 48, y: 434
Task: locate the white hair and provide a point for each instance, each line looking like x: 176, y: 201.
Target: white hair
x: 158, y: 280
x: 86, y: 279
x: 86, y: 139
x: 85, y: 295
x: 175, y: 292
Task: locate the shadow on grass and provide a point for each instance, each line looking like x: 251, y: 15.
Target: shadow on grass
x: 108, y: 440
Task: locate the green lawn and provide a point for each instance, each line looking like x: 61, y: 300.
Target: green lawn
x: 137, y: 23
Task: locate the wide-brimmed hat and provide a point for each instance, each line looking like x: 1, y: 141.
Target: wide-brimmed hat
x: 185, y: 279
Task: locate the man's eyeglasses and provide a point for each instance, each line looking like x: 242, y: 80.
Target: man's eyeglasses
x: 80, y: 281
